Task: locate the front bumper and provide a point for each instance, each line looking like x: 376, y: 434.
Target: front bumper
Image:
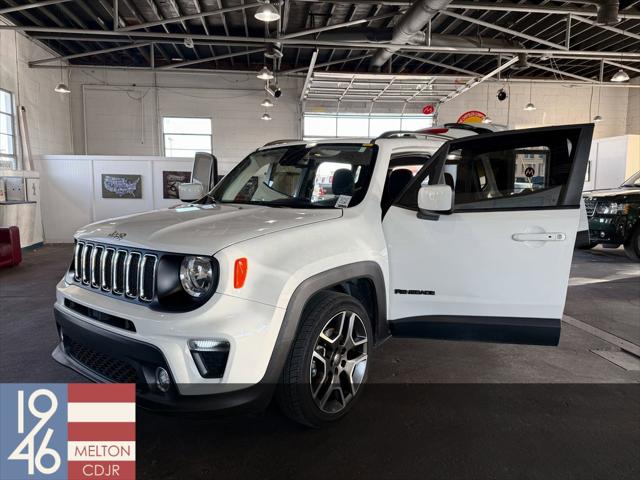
x: 136, y: 361
x: 608, y: 229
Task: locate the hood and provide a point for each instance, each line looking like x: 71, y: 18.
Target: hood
x: 200, y: 229
x: 612, y: 192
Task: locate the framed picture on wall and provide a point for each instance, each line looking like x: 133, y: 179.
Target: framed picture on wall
x: 170, y: 182
x: 115, y: 185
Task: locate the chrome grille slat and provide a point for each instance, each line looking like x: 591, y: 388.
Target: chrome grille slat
x: 106, y: 275
x: 86, y: 252
x: 131, y: 281
x: 77, y: 261
x: 142, y: 266
x: 96, y: 258
x: 116, y: 280
x: 116, y: 271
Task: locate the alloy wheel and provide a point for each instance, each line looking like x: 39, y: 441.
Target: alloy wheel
x: 339, y: 361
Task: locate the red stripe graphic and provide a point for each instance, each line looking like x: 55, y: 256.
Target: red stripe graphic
x: 102, y: 392
x: 102, y: 432
x: 102, y: 470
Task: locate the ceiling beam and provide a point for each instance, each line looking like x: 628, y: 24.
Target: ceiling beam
x: 503, y: 29
x: 619, y: 31
x: 560, y: 72
x: 193, y: 16
x: 325, y: 64
x: 210, y: 59
x: 90, y: 53
x: 179, y: 37
x: 20, y: 8
x: 493, y: 6
x: 338, y: 25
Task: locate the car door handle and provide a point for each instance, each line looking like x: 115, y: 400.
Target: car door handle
x: 539, y: 237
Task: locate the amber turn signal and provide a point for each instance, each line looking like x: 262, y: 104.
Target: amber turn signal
x: 240, y: 272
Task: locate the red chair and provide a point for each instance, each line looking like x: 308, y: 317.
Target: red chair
x: 10, y: 253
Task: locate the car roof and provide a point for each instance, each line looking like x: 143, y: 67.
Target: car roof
x: 448, y: 131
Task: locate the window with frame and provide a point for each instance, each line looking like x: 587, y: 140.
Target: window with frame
x: 8, y: 156
x: 185, y: 136
x: 521, y: 173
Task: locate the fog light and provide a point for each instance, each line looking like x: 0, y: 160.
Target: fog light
x: 163, y: 381
x: 210, y: 356
x: 602, y: 234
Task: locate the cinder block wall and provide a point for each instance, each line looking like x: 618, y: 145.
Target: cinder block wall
x: 48, y: 114
x: 124, y: 111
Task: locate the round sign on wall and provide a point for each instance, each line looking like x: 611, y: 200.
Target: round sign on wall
x: 428, y: 109
x: 472, y: 116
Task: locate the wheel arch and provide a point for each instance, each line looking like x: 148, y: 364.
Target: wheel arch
x: 336, y: 279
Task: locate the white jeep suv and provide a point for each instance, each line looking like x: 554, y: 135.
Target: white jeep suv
x: 270, y: 285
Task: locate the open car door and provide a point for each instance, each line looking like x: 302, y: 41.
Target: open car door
x: 495, y: 266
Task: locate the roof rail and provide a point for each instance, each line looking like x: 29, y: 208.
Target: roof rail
x: 283, y: 140
x: 410, y: 134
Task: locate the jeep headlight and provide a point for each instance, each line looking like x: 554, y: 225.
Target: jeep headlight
x: 197, y: 275
x: 609, y: 208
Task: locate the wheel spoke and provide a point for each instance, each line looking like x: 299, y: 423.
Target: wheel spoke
x: 341, y: 353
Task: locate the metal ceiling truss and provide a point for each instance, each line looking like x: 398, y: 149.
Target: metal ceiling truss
x: 154, y: 35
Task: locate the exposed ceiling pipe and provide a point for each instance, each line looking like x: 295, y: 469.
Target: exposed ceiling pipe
x: 607, y: 10
x: 421, y: 38
x: 412, y: 22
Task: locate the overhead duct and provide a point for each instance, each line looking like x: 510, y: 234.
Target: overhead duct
x: 412, y: 22
x: 607, y: 11
x: 421, y: 38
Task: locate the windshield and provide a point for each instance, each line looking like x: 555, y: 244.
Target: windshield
x: 307, y: 176
x: 633, y: 181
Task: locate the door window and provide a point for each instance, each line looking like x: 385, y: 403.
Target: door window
x: 508, y: 171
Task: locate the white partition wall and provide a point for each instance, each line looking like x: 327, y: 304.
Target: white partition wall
x: 71, y: 189
x: 612, y: 160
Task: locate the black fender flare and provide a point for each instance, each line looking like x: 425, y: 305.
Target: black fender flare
x: 307, y: 289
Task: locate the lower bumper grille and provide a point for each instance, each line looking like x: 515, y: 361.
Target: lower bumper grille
x: 114, y: 369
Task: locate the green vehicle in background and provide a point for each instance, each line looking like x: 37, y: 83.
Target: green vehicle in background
x: 614, y: 217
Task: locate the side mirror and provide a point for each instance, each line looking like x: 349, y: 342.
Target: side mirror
x: 190, y: 192
x: 434, y: 200
x: 205, y: 170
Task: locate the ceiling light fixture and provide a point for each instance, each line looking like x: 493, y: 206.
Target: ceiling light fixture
x: 266, y: 116
x: 266, y: 103
x: 265, y: 74
x: 620, y: 76
x: 188, y: 42
x: 62, y: 88
x: 267, y: 12
x: 530, y: 107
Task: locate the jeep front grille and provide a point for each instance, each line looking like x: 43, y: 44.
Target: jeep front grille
x: 121, y: 272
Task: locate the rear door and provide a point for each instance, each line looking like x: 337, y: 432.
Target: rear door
x: 496, y: 267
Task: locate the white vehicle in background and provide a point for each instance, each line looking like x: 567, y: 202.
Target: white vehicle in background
x: 263, y: 287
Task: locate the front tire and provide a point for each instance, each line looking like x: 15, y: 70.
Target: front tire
x: 632, y: 245
x: 328, y: 363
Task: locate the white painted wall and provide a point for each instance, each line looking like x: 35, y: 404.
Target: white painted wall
x: 119, y: 113
x: 612, y: 160
x: 633, y: 109
x: 71, y: 190
x: 48, y: 112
